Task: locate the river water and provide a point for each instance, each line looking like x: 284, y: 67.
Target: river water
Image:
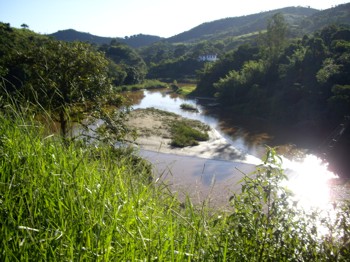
x: 213, y: 180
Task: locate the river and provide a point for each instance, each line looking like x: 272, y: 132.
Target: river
x: 213, y: 180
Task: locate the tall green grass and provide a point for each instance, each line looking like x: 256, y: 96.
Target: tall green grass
x: 73, y: 201
x: 76, y: 202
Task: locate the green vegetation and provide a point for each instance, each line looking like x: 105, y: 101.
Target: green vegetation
x: 184, y: 135
x: 182, y: 131
x: 147, y: 84
x: 81, y: 202
x: 134, y: 41
x: 188, y: 107
x: 291, y: 82
x: 93, y: 202
x: 185, y: 89
x: 65, y: 199
x: 126, y: 67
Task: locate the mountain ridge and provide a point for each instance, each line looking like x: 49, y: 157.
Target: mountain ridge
x: 135, y: 41
x: 302, y: 20
x: 235, y: 26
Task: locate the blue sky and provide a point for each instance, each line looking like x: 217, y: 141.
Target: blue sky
x: 119, y: 18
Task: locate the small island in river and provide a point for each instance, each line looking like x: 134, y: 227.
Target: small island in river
x: 154, y: 133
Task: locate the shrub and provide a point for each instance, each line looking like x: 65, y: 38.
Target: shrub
x: 188, y: 107
x: 184, y: 135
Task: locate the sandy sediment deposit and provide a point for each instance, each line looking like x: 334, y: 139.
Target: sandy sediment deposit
x: 153, y: 134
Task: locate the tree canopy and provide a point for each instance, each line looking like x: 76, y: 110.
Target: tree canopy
x: 306, y: 79
x: 66, y: 79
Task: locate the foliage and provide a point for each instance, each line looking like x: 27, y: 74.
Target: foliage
x: 147, y: 84
x: 329, y: 68
x: 83, y: 202
x: 71, y: 200
x: 135, y: 41
x: 68, y: 80
x: 185, y: 89
x: 182, y: 69
x: 91, y: 202
x: 189, y: 107
x: 212, y: 73
x: 275, y: 38
x: 237, y: 26
x: 266, y: 226
x: 129, y: 60
x: 293, y: 83
x: 62, y: 76
x: 185, y: 135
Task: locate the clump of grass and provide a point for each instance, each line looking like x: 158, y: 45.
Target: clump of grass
x: 186, y: 89
x: 188, y: 107
x: 185, y: 135
x: 147, y: 84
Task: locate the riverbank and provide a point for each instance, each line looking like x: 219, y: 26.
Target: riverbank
x: 153, y: 134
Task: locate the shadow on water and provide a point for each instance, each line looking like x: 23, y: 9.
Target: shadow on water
x: 214, y: 179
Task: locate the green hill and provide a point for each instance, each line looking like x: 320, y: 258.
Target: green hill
x: 134, y: 41
x: 336, y: 15
x: 243, y: 25
x: 301, y: 20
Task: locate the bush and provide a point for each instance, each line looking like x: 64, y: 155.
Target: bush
x: 265, y: 226
x: 184, y: 135
x: 188, y: 107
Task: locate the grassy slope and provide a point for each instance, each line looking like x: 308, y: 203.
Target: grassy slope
x: 77, y: 202
x: 89, y: 203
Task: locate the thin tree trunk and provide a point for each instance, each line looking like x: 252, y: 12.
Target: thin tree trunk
x: 63, y: 123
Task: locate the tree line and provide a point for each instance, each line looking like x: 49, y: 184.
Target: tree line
x: 71, y: 81
x: 298, y: 80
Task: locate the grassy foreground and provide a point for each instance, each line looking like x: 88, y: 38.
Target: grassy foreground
x: 81, y: 203
x: 77, y: 202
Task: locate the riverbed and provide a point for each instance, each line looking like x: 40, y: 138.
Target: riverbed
x: 212, y: 171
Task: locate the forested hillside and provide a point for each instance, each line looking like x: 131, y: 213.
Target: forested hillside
x: 301, y: 20
x: 299, y: 80
x: 239, y: 26
x: 134, y: 41
x: 337, y: 15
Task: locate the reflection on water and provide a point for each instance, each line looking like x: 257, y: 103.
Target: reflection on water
x: 164, y: 100
x: 214, y: 179
x: 309, y: 180
x: 202, y: 179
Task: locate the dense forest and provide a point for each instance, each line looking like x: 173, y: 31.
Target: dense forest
x: 301, y: 83
x: 297, y: 80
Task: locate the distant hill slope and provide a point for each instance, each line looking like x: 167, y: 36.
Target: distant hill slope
x: 135, y: 41
x: 237, y: 26
x: 336, y: 15
x: 302, y: 20
x: 71, y: 35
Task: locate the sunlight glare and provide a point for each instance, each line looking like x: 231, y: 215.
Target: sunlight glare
x: 309, y: 181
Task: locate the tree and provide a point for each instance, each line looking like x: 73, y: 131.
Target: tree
x: 62, y: 77
x: 132, y: 64
x: 275, y: 38
x: 24, y: 26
